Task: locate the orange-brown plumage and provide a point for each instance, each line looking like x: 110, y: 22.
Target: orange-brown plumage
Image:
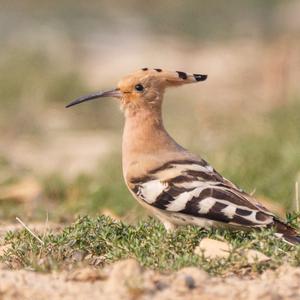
x: 176, y: 185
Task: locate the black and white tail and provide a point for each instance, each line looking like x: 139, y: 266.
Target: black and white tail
x: 287, y: 233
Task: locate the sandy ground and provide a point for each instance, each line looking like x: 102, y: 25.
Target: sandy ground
x: 127, y: 280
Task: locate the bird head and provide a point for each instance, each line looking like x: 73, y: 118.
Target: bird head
x: 144, y: 88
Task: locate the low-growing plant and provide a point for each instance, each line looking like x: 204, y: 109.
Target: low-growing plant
x: 102, y: 240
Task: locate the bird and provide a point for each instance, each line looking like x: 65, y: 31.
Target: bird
x: 175, y: 185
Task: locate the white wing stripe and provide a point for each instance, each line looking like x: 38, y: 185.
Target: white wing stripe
x: 229, y: 211
x: 206, y: 204
x: 150, y: 190
x: 180, y: 201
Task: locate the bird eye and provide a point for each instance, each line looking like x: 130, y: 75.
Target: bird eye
x: 139, y: 87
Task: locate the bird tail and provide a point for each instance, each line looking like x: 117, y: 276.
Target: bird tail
x: 287, y: 233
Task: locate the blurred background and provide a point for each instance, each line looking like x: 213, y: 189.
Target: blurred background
x: 245, y: 119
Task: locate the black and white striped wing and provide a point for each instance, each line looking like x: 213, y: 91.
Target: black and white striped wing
x: 194, y: 188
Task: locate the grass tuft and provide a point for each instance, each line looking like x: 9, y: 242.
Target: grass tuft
x: 100, y: 241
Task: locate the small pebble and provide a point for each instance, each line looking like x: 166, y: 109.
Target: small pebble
x: 190, y: 282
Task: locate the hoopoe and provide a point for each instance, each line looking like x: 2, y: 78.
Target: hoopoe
x: 175, y: 185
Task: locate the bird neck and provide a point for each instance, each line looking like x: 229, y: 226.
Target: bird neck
x: 145, y: 138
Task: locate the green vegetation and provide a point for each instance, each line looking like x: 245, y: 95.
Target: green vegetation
x: 268, y: 160
x: 101, y: 240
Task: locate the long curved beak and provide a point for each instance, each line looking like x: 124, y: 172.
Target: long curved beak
x: 116, y: 93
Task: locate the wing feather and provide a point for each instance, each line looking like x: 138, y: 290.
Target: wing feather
x: 194, y: 188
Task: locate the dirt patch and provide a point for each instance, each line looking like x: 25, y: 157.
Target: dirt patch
x: 127, y: 280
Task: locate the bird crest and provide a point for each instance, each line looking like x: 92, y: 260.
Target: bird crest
x: 163, y: 78
x: 144, y: 86
x: 174, y: 77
